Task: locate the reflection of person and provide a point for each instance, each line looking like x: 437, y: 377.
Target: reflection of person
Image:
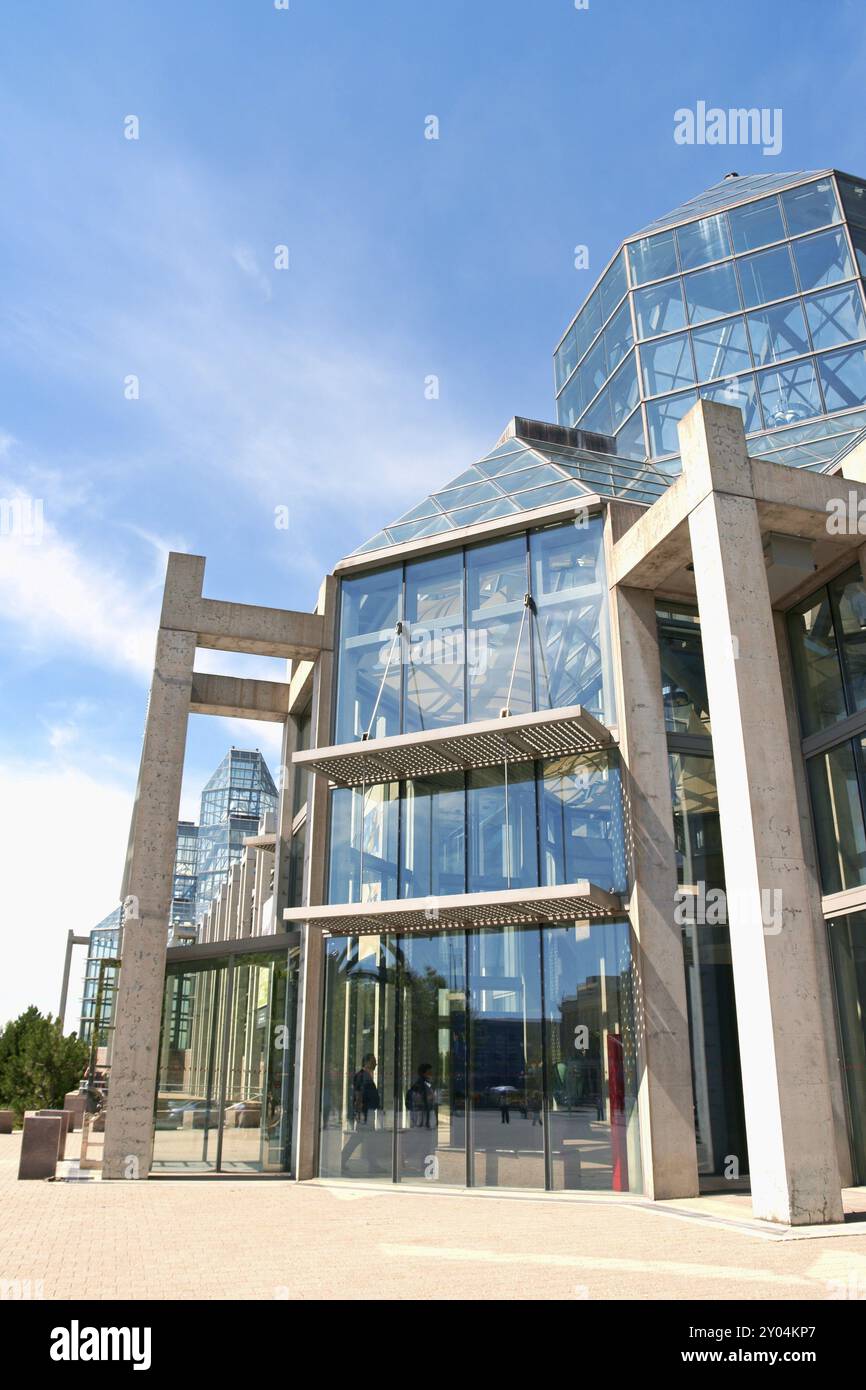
x: 505, y: 1111
x: 365, y: 1102
x: 421, y: 1097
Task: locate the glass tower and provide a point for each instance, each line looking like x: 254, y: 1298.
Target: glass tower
x: 184, y: 891
x: 233, y: 801
x: 103, y: 943
x: 750, y: 294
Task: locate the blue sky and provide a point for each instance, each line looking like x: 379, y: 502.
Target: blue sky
x: 261, y: 387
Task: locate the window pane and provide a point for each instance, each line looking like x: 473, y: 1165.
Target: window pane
x: 591, y: 1054
x: 847, y: 936
x: 631, y: 440
x: 433, y: 836
x: 570, y: 404
x: 697, y: 829
x: 703, y: 241
x: 778, y: 333
x: 363, y: 844
x: 612, y: 288
x: 565, y: 358
x: 848, y: 593
x: 836, y: 317
x: 618, y: 337
x: 853, y: 200
x: 580, y: 822
x: 496, y: 584
x: 623, y: 392
x: 811, y: 206
x: 789, y: 394
x: 756, y: 224
x: 434, y: 645
x: 843, y: 377
x: 838, y: 819
x: 711, y: 293
x: 742, y: 392
x: 659, y: 309
x: 501, y: 826
x: 570, y: 632
x: 652, y: 258
x: 662, y: 418
x: 369, y: 609
x: 592, y: 371
x: 667, y: 365
x: 587, y: 325
x: 823, y: 259
x: 599, y: 417
x: 721, y: 350
x: 684, y: 683
x: 858, y: 236
x: 767, y: 276
x: 817, y: 673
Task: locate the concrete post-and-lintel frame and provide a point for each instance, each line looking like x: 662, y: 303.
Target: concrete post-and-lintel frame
x: 188, y: 621
x: 708, y: 538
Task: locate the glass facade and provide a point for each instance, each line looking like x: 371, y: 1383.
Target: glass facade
x: 104, y: 940
x: 494, y: 1058
x: 233, y: 801
x: 224, y: 1086
x: 713, y: 306
x: 183, y: 895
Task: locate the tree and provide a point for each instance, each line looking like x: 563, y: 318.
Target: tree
x: 38, y: 1063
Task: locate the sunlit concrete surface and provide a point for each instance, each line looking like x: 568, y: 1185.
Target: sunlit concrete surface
x: 270, y: 1238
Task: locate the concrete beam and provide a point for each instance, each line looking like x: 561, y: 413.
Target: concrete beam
x: 242, y: 699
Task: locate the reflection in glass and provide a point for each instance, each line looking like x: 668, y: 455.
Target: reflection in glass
x: 363, y: 859
x: 369, y: 610
x: 433, y: 836
x: 836, y: 317
x: 659, y: 309
x: 838, y: 818
x: 618, y: 337
x: 847, y: 936
x: 506, y: 1085
x: 756, y: 224
x: 810, y: 206
x: 591, y: 1058
x: 667, y: 364
x: 570, y: 629
x: 580, y: 822
x: 502, y: 841
x: 721, y: 350
x: 822, y: 259
x: 848, y: 594
x: 498, y: 648
x: 767, y: 276
x: 652, y: 258
x: 778, y: 333
x: 843, y: 377
x: 684, y: 684
x: 789, y: 394
x: 710, y: 294
x: 612, y: 287
x: 741, y: 391
x: 815, y: 658
x: 703, y: 241
x: 663, y: 417
x: 434, y: 646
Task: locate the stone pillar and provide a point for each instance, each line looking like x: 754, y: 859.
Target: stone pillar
x: 786, y: 1077
x: 665, y: 1100
x: 147, y: 893
x: 311, y: 986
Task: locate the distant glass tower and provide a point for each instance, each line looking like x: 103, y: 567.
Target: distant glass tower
x: 749, y: 293
x: 103, y: 943
x: 183, y: 900
x: 232, y: 804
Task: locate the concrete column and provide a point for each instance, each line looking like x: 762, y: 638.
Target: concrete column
x: 248, y: 872
x: 311, y: 989
x: 665, y: 1099
x: 786, y: 1076
x: 147, y: 892
x: 233, y: 902
x: 283, y: 843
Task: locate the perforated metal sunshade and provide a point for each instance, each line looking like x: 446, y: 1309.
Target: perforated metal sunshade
x: 514, y: 739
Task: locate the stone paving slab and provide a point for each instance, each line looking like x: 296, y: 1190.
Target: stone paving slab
x: 275, y: 1239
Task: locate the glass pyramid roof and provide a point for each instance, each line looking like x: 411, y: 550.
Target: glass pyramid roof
x: 734, y: 189
x: 519, y: 475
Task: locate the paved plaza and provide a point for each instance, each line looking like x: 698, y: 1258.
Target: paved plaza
x: 270, y: 1238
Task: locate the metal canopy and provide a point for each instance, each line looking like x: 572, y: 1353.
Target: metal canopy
x: 510, y: 907
x: 517, y: 738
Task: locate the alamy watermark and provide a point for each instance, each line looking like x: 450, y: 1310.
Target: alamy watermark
x: 22, y: 518
x: 710, y: 907
x: 740, y: 125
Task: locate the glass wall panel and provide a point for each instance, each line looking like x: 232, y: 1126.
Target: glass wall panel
x: 432, y: 1052
x: 659, y: 309
x: 847, y: 936
x: 599, y: 417
x: 756, y: 224
x: 433, y: 837
x: 623, y: 392
x: 667, y: 364
x: 572, y: 657
x: 815, y: 658
x: 843, y: 377
x: 836, y: 317
x: 618, y: 337
x: 822, y: 259
x: 591, y: 1058
x: 498, y: 645
x: 697, y: 831
x: 612, y: 287
x: 741, y: 391
x: 703, y: 241
x: 580, y: 823
x: 257, y: 1113
x: 503, y: 849
x: 684, y: 684
x: 721, y: 350
x: 662, y: 418
x: 652, y: 258
x: 710, y: 294
x: 434, y: 659
x: 593, y: 371
x: 838, y: 818
x: 631, y: 440
x: 358, y: 1064
x: 363, y: 845
x: 506, y: 1070
x: 789, y: 394
x: 369, y: 610
x: 848, y: 595
x: 767, y: 276
x: 810, y: 206
x: 187, y: 1114
x: 778, y: 333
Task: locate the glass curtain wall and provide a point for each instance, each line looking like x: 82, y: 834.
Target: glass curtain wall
x: 848, y: 955
x: 224, y: 1087
x: 495, y: 1058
